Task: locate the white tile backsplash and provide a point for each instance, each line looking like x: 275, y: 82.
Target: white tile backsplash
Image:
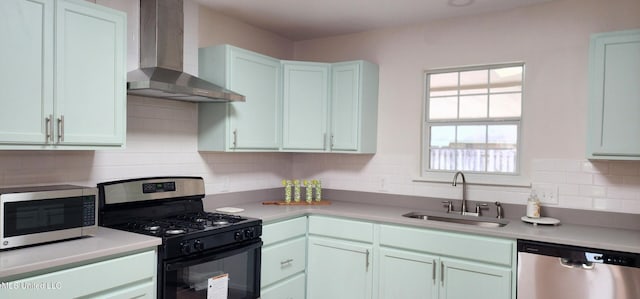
x: 596, y: 185
x: 161, y: 140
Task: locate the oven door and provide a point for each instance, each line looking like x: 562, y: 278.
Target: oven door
x: 189, y: 277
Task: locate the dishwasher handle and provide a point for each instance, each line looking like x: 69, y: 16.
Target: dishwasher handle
x: 567, y: 263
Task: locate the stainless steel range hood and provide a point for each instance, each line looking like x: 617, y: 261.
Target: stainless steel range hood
x: 161, y: 59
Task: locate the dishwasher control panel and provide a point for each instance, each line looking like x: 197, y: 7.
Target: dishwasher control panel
x: 580, y: 254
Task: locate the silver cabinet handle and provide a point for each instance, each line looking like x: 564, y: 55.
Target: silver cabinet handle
x: 433, y: 271
x: 286, y: 262
x: 61, y: 128
x: 49, y: 128
x: 367, y: 261
x: 331, y: 143
x: 235, y: 138
x: 441, y: 273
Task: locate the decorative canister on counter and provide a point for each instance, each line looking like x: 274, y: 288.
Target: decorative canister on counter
x: 287, y: 190
x: 318, y: 185
x: 533, y: 205
x: 296, y: 190
x: 308, y: 191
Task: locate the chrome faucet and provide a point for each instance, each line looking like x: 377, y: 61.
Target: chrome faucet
x: 464, y: 190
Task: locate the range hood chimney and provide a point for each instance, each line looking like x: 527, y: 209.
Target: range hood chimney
x: 161, y: 58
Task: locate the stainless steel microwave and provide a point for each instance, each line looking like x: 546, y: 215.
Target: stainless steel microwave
x: 33, y: 215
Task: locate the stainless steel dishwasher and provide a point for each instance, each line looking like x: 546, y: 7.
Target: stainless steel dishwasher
x: 552, y: 271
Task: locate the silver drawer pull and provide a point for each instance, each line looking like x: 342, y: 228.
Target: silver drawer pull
x: 286, y: 262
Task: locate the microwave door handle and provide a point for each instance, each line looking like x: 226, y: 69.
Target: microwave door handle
x: 214, y: 255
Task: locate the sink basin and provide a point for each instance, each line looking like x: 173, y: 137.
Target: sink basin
x: 460, y: 219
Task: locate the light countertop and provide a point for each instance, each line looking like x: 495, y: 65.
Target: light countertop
x: 571, y: 234
x: 107, y: 242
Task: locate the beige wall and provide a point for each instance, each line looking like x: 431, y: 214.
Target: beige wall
x: 216, y: 29
x: 551, y: 38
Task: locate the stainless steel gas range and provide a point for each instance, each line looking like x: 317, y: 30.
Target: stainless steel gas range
x: 199, y: 249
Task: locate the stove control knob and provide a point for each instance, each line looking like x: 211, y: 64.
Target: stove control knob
x: 237, y: 236
x: 198, y: 245
x: 248, y: 233
x: 185, y: 247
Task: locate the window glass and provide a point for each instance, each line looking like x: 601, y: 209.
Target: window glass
x: 472, y: 121
x: 473, y: 106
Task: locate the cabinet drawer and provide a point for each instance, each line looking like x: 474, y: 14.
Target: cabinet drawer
x: 283, y: 260
x: 484, y: 249
x: 292, y: 288
x: 341, y: 228
x: 283, y: 230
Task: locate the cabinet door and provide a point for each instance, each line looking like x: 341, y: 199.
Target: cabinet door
x: 26, y: 70
x: 254, y: 124
x: 345, y: 107
x: 614, y: 120
x: 90, y: 74
x: 462, y: 280
x: 305, y: 103
x: 406, y: 274
x: 338, y: 269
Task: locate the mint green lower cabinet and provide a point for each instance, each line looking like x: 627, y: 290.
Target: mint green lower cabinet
x: 446, y: 265
x: 284, y: 259
x: 339, y: 269
x: 132, y: 276
x: 464, y: 279
x: 292, y: 288
x: 405, y: 274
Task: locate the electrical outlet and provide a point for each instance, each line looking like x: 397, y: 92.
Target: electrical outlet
x: 384, y: 184
x: 225, y: 184
x: 547, y: 193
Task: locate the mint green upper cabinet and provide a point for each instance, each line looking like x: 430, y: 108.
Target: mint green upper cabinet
x: 305, y: 91
x: 63, y: 77
x: 614, y: 96
x: 26, y: 72
x: 90, y: 74
x: 253, y: 125
x: 354, y: 107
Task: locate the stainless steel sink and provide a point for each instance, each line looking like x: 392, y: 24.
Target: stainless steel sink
x: 456, y: 218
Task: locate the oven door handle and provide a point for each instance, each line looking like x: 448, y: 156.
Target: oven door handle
x: 213, y: 255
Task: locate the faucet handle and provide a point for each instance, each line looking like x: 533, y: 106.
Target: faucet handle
x: 481, y: 206
x: 449, y: 205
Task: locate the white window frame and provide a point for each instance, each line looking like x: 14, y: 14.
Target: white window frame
x: 480, y: 178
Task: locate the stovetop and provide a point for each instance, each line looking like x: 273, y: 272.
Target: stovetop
x: 183, y: 224
x: 171, y: 208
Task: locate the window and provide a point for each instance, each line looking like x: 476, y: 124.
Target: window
x: 472, y: 119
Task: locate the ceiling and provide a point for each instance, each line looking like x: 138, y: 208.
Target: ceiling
x: 305, y: 19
